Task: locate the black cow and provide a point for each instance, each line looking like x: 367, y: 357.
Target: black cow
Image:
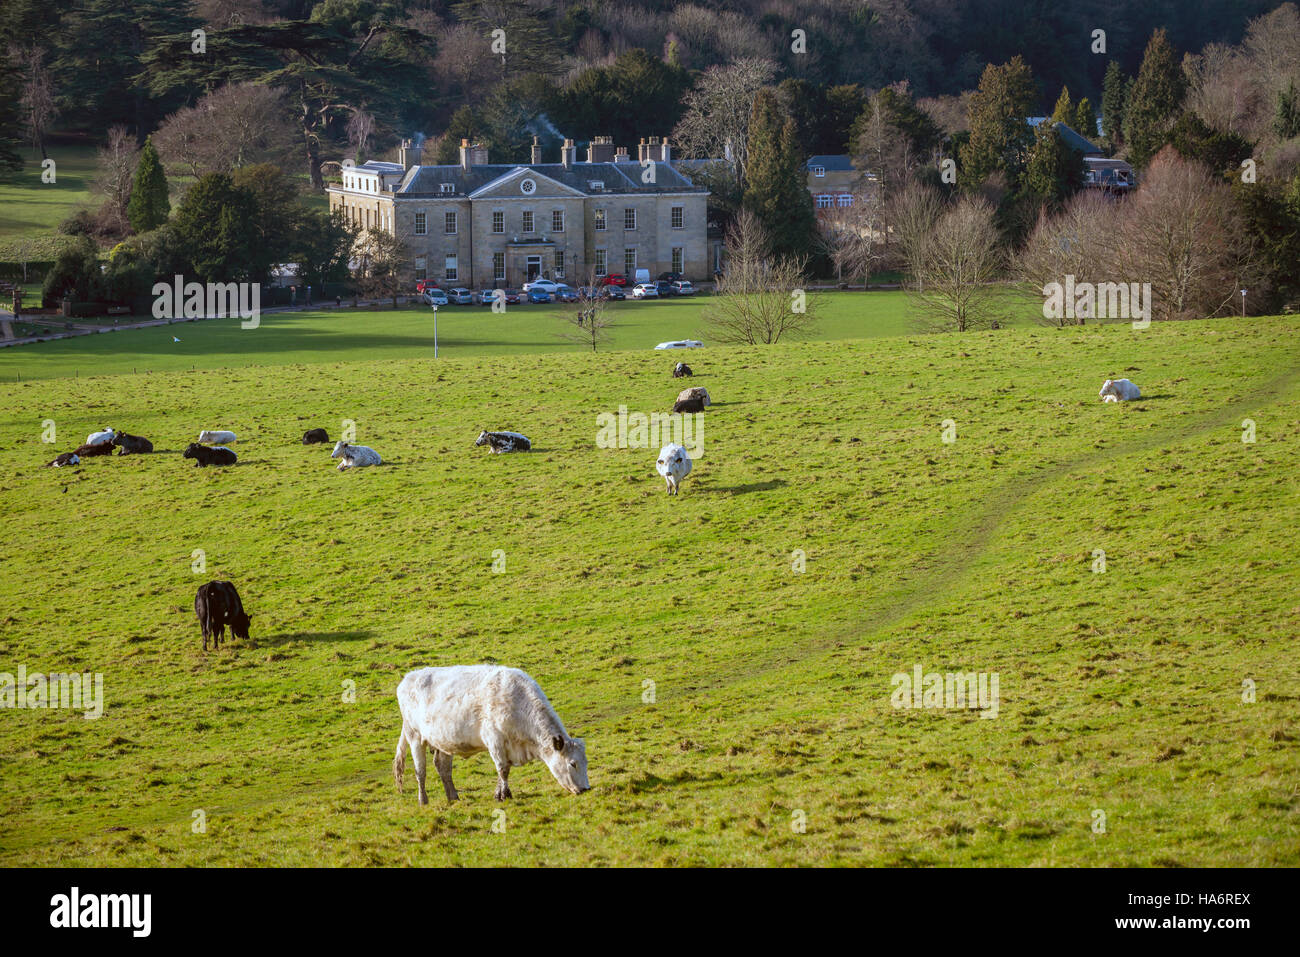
x: 681, y: 370
x: 689, y: 405
x: 217, y: 604
x: 131, y: 444
x: 312, y: 436
x: 203, y: 455
x: 99, y: 448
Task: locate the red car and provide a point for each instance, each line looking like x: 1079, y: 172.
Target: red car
x: 615, y: 279
x: 423, y: 284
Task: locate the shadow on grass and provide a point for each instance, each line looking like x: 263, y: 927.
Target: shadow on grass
x: 746, y: 489
x: 1153, y: 398
x: 273, y: 640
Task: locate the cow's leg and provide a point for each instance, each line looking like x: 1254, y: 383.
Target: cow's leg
x: 503, y: 770
x: 442, y: 764
x: 203, y: 623
x: 421, y: 765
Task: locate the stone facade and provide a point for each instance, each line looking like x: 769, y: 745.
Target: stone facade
x: 481, y: 225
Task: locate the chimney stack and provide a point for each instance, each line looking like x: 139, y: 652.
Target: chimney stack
x: 568, y: 154
x: 408, y: 154
x: 537, y: 151
x: 620, y: 155
x: 601, y: 150
x: 472, y: 155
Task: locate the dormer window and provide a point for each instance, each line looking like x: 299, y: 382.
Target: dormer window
x: 448, y: 187
x: 819, y: 170
x: 596, y: 184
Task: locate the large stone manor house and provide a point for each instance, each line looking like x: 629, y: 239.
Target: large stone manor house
x: 480, y: 224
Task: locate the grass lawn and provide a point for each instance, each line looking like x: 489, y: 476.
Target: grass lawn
x: 725, y: 695
x: 331, y: 336
x: 31, y: 210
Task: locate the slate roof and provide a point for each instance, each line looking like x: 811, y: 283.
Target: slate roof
x: 832, y: 162
x: 619, y: 178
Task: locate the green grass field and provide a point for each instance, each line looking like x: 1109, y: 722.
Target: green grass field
x: 331, y: 336
x: 1121, y: 691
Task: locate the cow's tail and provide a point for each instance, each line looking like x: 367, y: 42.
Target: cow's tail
x: 399, y: 760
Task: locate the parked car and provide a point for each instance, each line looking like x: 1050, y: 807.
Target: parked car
x: 566, y: 294
x: 614, y: 293
x: 434, y: 297
x: 681, y: 344
x: 683, y: 287
x: 670, y: 277
x: 665, y: 288
x: 512, y: 297
x: 615, y: 279
x: 422, y: 284
x: 645, y: 290
x: 546, y: 285
x: 537, y: 295
x: 485, y: 297
x: 460, y: 296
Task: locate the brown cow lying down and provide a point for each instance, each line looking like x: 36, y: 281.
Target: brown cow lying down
x: 99, y: 448
x: 132, y: 444
x: 689, y: 405
x: 206, y: 456
x: 217, y: 604
x: 312, y: 436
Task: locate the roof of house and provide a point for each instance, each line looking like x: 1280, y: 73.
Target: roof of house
x: 836, y: 162
x: 1071, y: 137
x: 616, y: 177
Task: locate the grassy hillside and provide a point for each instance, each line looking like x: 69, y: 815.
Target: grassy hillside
x: 463, y: 331
x: 1120, y: 692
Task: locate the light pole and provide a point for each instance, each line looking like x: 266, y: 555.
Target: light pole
x: 435, y: 330
x: 1243, y: 304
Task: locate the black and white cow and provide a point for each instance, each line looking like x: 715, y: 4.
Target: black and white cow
x: 217, y: 604
x: 64, y: 458
x: 681, y: 370
x: 504, y: 442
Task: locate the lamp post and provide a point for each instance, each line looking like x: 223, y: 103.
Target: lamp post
x: 1243, y: 304
x: 435, y: 330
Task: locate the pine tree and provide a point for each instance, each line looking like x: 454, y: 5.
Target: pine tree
x: 1084, y: 120
x: 1054, y: 171
x: 1000, y: 136
x: 775, y: 188
x: 1156, y: 100
x: 1286, y: 121
x: 149, y: 205
x: 10, y: 122
x: 1112, y: 105
x: 1064, y: 111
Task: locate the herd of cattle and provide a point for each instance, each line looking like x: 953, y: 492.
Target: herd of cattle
x: 461, y: 710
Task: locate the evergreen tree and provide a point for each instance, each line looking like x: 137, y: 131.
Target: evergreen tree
x: 775, y: 188
x: 463, y: 126
x: 211, y: 228
x: 1054, y: 171
x: 10, y: 124
x: 1000, y: 137
x: 1112, y: 105
x: 149, y: 205
x: 1156, y: 100
x: 1084, y: 120
x: 1064, y: 111
x: 1286, y: 121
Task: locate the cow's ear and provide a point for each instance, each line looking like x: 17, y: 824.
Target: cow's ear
x: 558, y: 743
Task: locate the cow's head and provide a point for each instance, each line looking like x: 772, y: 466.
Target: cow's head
x: 482, y: 438
x: 191, y: 451
x: 1107, y: 388
x: 239, y: 624
x: 567, y: 759
x: 339, y: 449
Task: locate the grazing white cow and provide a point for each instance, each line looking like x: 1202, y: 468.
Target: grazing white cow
x: 216, y: 437
x: 102, y: 437
x: 674, y: 465
x: 463, y: 710
x: 1119, y: 390
x: 694, y: 392
x: 355, y: 456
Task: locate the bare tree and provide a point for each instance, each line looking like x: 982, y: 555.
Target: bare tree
x: 759, y: 298
x: 383, y: 264
x: 361, y: 127
x: 36, y: 101
x: 852, y: 237
x: 588, y: 316
x: 717, y: 111
x: 957, y: 266
x: 235, y: 125
x: 910, y: 216
x: 116, y: 159
x: 1081, y: 241
x: 1181, y: 232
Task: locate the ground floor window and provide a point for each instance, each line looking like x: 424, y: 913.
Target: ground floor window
x: 600, y: 262
x: 825, y: 201
x: 845, y: 199
x: 629, y: 262
x: 559, y: 264
x: 678, y: 258
x: 420, y: 268
x: 499, y: 266
x: 451, y: 268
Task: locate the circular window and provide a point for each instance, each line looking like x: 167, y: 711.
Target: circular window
x: 528, y: 186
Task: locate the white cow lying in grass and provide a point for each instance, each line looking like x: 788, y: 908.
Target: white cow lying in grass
x: 216, y: 437
x: 355, y: 456
x: 102, y: 437
x: 1119, y: 390
x: 674, y: 465
x: 470, y: 708
x: 695, y: 392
